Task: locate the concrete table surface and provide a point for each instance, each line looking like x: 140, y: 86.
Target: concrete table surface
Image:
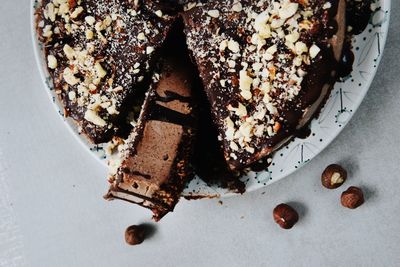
x: 52, y: 212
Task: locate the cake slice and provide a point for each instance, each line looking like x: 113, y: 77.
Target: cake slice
x: 100, y: 54
x: 267, y: 67
x: 155, y: 166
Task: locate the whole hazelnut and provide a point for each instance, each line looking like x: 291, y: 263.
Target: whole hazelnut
x: 134, y: 235
x: 352, y: 198
x: 333, y: 176
x: 285, y: 216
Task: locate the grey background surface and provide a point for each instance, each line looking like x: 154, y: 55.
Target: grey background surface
x: 52, y: 213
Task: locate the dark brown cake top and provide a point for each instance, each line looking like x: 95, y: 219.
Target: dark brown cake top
x: 253, y: 57
x: 98, y: 52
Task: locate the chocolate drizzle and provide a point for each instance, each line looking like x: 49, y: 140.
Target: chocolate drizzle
x: 171, y: 96
x: 208, y: 161
x: 210, y: 167
x: 345, y: 65
x: 261, y: 165
x: 136, y: 173
x: 160, y: 113
x: 303, y: 133
x: 119, y: 51
x: 358, y: 14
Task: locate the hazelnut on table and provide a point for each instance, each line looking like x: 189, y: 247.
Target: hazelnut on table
x: 285, y: 216
x: 134, y: 235
x: 333, y: 176
x: 352, y: 198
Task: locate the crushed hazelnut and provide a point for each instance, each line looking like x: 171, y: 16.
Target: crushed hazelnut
x: 52, y: 62
x: 213, y: 13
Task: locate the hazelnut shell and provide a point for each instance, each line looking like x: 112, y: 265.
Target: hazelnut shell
x: 352, y: 198
x: 134, y: 235
x: 285, y: 216
x: 333, y: 176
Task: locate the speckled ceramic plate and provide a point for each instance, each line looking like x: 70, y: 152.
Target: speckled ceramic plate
x: 340, y: 107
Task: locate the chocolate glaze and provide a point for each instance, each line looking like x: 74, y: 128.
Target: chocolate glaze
x: 208, y: 161
x: 345, y: 66
x: 120, y: 53
x: 161, y: 205
x: 358, y: 14
x: 319, y: 74
x: 303, y: 133
x: 260, y: 165
x: 197, y: 197
x: 324, y: 70
x: 145, y: 176
x: 171, y: 96
x: 161, y: 113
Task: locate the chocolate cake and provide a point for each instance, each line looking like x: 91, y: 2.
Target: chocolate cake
x: 267, y: 67
x: 154, y: 166
x: 100, y: 54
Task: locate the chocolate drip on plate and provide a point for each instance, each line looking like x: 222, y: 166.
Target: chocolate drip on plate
x: 358, y: 14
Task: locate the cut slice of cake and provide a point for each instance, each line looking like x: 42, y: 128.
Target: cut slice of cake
x: 100, y: 54
x: 155, y: 166
x: 267, y: 67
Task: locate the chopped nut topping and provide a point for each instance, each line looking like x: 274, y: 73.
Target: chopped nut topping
x: 314, y: 50
x: 287, y: 10
x: 213, y: 13
x: 261, y: 63
x: 237, y: 7
x: 52, y: 62
x: 92, y: 76
x: 159, y: 13
x: 93, y: 117
x: 233, y: 46
x: 69, y: 77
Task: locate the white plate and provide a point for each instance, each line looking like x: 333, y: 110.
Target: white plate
x: 340, y: 107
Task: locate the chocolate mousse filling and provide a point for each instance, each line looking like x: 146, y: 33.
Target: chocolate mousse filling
x: 155, y: 163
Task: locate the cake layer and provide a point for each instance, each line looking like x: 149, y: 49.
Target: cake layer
x: 100, y: 54
x: 155, y: 163
x: 267, y: 67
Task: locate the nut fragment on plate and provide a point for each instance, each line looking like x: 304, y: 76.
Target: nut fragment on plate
x: 285, y: 216
x: 333, y: 176
x: 352, y: 198
x: 134, y: 235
